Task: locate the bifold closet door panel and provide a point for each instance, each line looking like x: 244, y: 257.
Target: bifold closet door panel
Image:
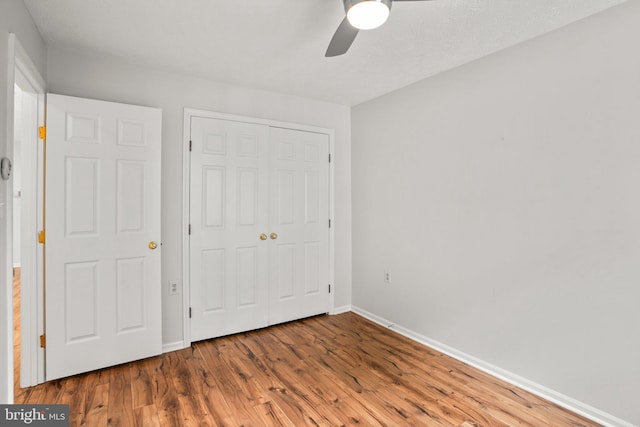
x: 228, y: 213
x: 299, y: 219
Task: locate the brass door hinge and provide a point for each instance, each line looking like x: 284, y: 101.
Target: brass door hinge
x: 41, y: 237
x: 42, y: 131
x: 43, y: 341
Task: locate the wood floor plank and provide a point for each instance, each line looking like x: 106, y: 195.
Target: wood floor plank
x: 239, y: 400
x: 474, y: 416
x: 141, y: 385
x: 97, y: 401
x: 146, y: 416
x: 35, y: 395
x: 165, y: 396
x: 353, y: 412
x: 316, y: 391
x: 252, y: 374
x: 74, y: 394
x: 120, y: 397
x: 322, y: 371
x: 206, y: 386
x: 193, y: 410
x: 297, y: 406
x: 53, y: 391
x: 271, y: 415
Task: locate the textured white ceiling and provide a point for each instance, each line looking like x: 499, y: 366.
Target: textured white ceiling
x: 279, y: 45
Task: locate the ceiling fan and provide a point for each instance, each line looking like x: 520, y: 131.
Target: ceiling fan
x: 361, y: 15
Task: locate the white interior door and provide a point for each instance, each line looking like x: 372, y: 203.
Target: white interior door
x: 228, y: 213
x: 299, y: 217
x: 102, y: 215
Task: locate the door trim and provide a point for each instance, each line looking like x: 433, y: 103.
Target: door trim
x: 186, y: 186
x: 32, y: 363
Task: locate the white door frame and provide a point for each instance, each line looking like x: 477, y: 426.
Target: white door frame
x: 31, y: 291
x: 186, y: 184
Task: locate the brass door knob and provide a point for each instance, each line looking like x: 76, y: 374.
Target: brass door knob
x: 263, y: 236
x: 273, y: 236
x: 153, y: 245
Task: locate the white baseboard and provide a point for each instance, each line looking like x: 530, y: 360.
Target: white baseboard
x: 173, y: 346
x: 559, y: 399
x: 340, y: 310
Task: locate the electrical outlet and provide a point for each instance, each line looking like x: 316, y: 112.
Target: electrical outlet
x: 387, y: 277
x: 173, y: 288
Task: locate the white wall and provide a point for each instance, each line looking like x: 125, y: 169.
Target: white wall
x: 504, y: 199
x: 99, y: 77
x: 14, y: 18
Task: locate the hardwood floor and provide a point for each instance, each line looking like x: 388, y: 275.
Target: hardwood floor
x: 322, y: 371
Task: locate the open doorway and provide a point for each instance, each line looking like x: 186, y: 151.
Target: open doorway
x: 27, y: 214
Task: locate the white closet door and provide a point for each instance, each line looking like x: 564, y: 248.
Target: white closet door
x: 299, y: 216
x: 102, y: 272
x: 228, y: 213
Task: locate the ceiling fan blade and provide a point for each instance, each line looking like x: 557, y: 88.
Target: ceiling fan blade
x: 342, y: 39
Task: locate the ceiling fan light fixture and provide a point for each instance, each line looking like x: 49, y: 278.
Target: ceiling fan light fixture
x: 367, y: 14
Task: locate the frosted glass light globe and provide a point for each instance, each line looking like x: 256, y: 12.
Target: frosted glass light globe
x: 368, y: 14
